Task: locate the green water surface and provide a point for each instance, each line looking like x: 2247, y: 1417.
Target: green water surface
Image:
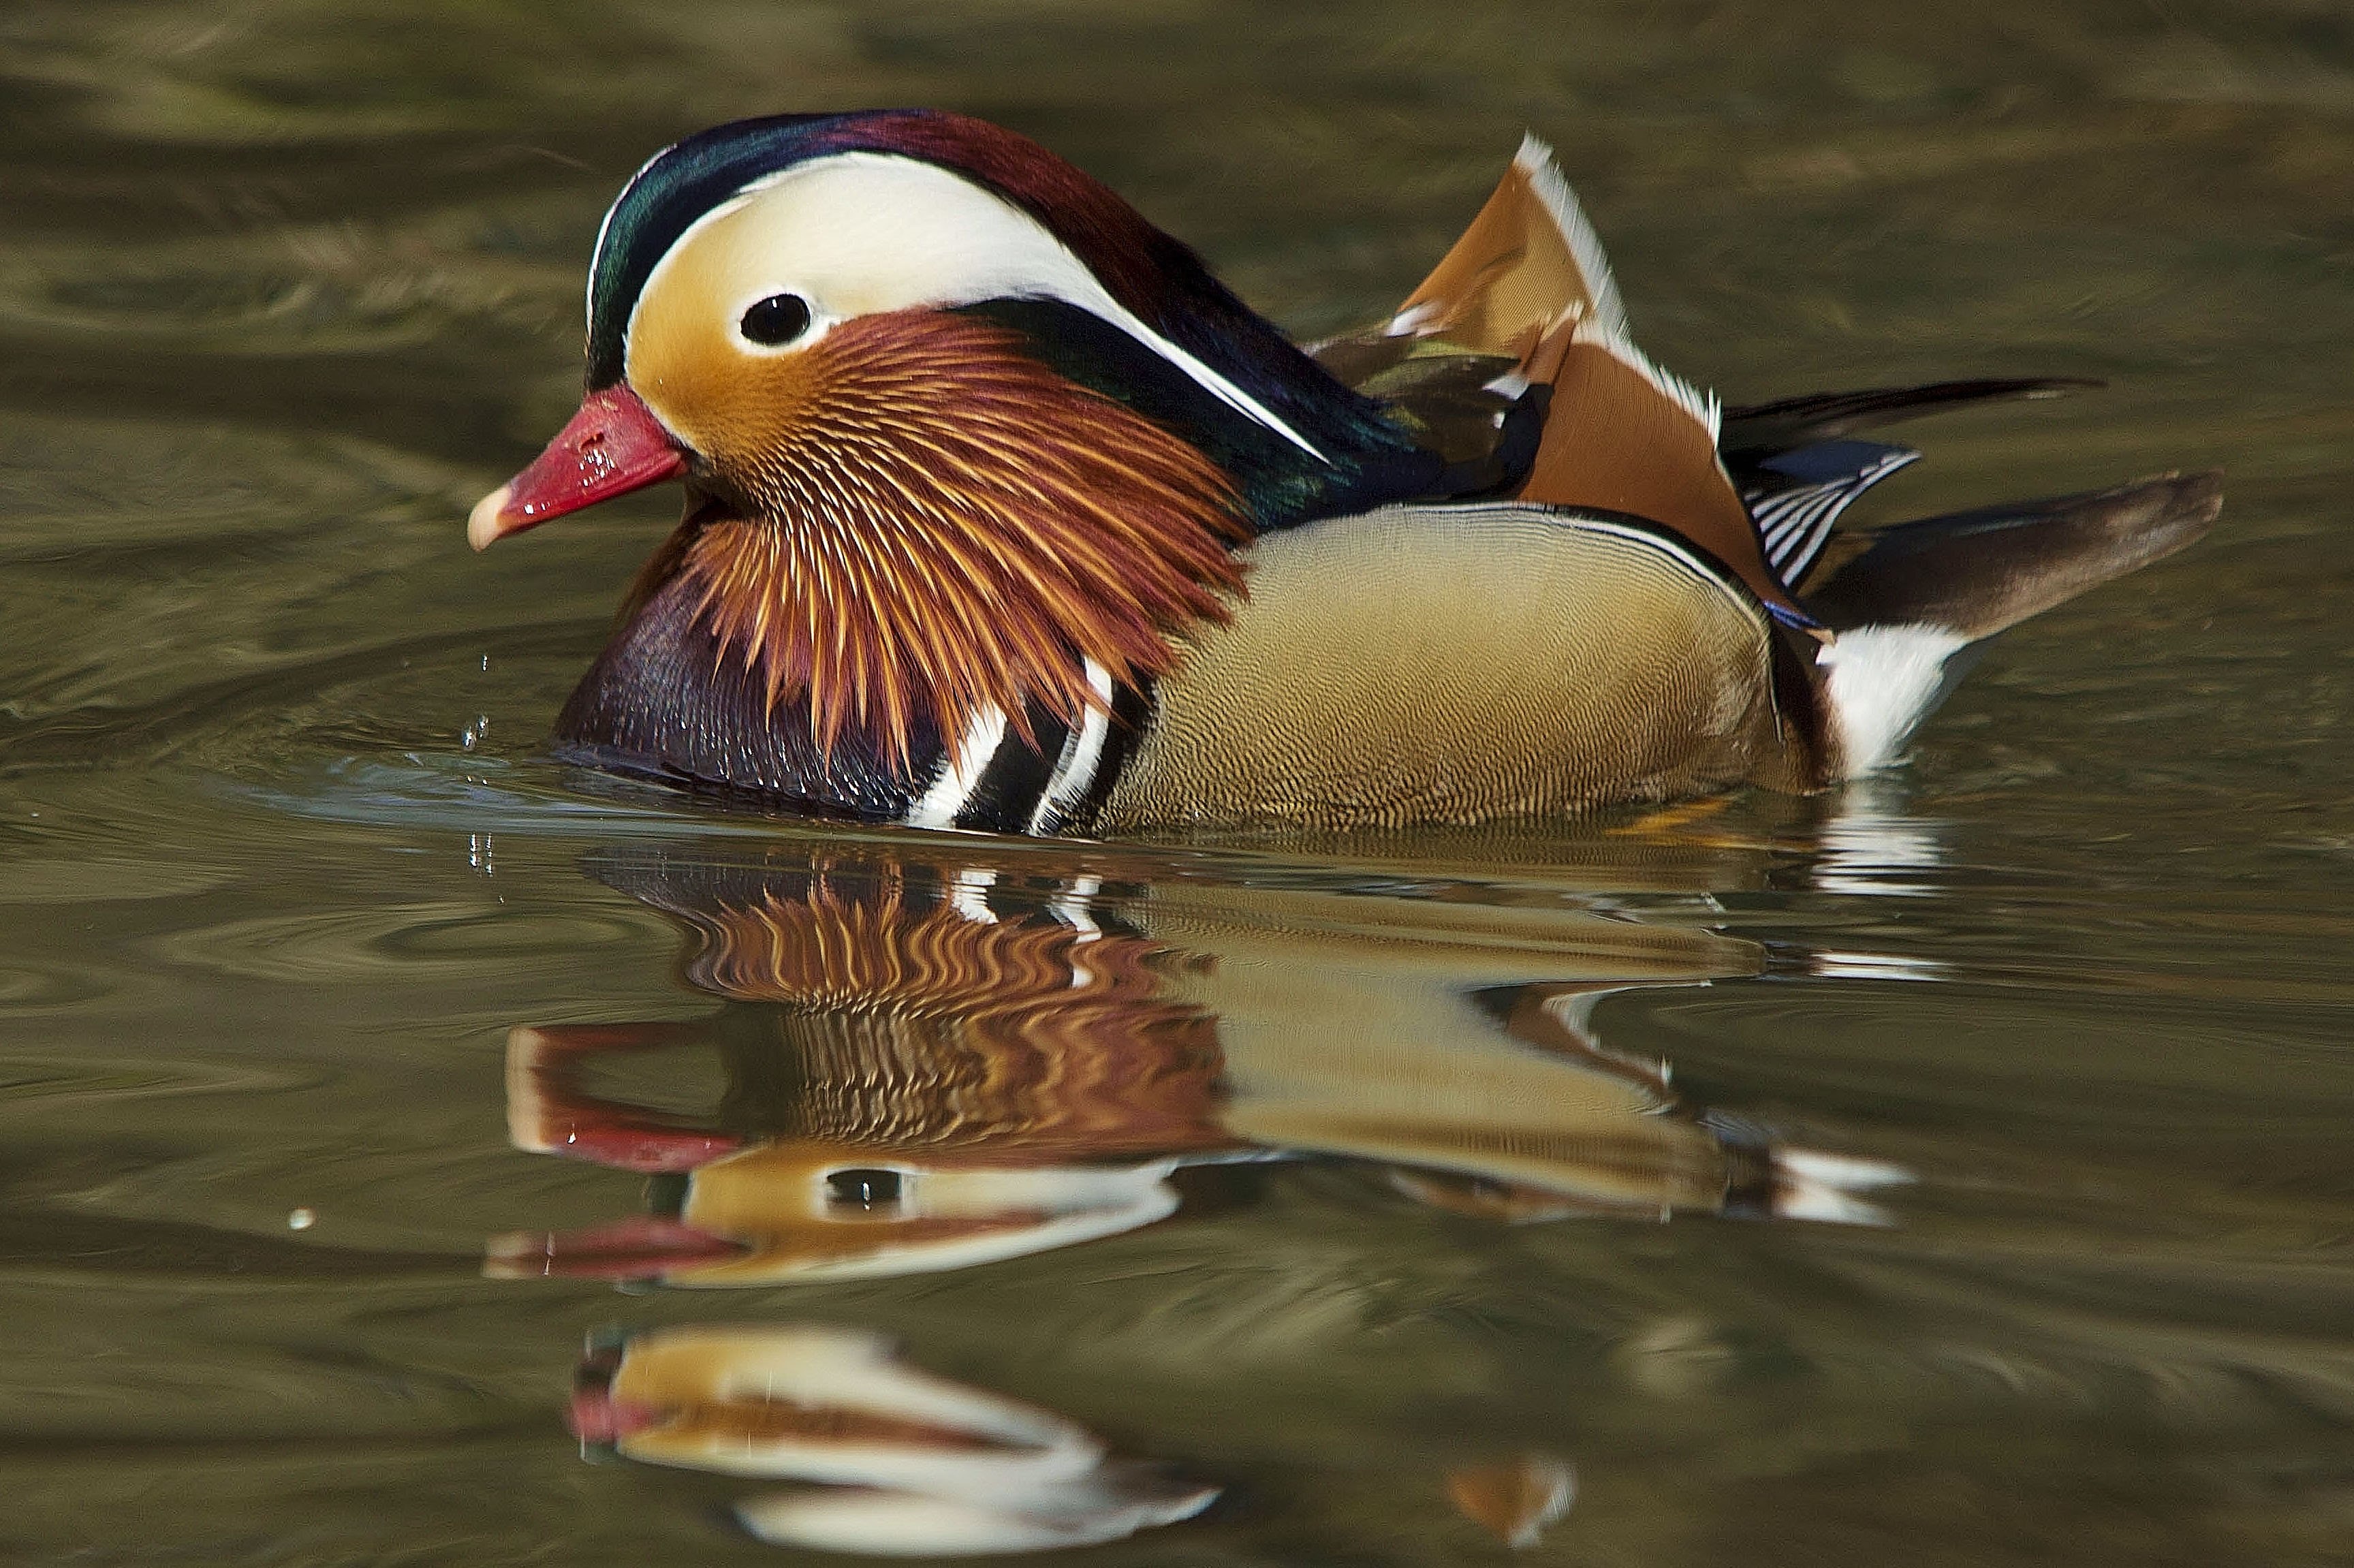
x: 286, y: 284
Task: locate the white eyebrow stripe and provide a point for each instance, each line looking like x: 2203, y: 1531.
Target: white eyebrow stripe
x: 864, y: 233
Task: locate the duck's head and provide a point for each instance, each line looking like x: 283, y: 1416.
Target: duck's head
x: 954, y: 421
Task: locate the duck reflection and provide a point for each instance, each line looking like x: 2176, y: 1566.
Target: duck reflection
x: 930, y: 1066
x: 1514, y: 1499
x: 895, y: 1461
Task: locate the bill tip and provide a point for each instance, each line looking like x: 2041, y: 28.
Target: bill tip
x: 482, y: 522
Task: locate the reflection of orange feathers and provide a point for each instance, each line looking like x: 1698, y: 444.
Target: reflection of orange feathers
x: 955, y: 527
x: 717, y: 1398
x: 755, y: 1423
x: 943, y: 1030
x: 1515, y: 1499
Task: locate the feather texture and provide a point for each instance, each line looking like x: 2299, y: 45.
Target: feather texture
x: 1149, y: 272
x: 956, y: 528
x: 1018, y: 1043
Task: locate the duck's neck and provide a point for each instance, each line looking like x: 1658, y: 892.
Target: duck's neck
x: 957, y: 530
x: 667, y: 700
x: 1336, y: 452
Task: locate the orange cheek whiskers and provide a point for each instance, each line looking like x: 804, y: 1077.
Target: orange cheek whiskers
x: 949, y: 526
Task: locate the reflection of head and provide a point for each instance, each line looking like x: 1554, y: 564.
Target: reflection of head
x: 917, y: 1084
x: 905, y: 1463
x: 809, y: 1212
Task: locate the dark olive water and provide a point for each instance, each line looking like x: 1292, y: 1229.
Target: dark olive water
x: 1344, y: 1179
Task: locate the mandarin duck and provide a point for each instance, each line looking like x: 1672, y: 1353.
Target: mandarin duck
x: 1002, y: 513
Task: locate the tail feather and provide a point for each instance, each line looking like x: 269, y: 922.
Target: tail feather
x: 1750, y: 435
x: 1921, y: 593
x: 1975, y: 573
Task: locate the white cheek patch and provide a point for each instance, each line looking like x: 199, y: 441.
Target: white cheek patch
x: 865, y: 233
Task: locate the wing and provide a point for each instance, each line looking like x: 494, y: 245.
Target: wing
x: 1797, y: 496
x: 1798, y: 470
x: 1528, y: 291
x: 1753, y: 434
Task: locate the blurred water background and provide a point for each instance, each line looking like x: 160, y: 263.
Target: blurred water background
x: 1468, y: 1158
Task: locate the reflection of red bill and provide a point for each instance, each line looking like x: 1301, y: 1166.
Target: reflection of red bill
x: 596, y: 1416
x: 627, y: 1145
x: 645, y: 1248
x: 548, y: 1114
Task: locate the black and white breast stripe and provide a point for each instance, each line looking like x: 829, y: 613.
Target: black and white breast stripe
x: 1052, y: 781
x: 1801, y: 493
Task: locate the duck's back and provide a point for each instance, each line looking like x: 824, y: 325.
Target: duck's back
x: 1462, y: 663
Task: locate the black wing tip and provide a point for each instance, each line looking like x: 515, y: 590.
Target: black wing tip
x: 1897, y: 402
x: 1755, y: 433
x: 2061, y: 386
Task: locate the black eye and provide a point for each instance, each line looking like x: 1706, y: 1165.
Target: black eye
x: 780, y: 318
x: 868, y: 1189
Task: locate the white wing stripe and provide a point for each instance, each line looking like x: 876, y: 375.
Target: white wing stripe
x: 958, y: 778
x: 1074, y: 772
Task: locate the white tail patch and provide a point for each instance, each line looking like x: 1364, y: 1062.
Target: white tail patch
x: 1882, y: 680
x: 1824, y: 1187
x: 1833, y: 964
x: 1873, y: 847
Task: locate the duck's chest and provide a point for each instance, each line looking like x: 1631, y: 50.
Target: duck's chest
x: 667, y: 700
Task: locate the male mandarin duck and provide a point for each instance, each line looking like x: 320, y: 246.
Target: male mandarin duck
x: 1002, y: 513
